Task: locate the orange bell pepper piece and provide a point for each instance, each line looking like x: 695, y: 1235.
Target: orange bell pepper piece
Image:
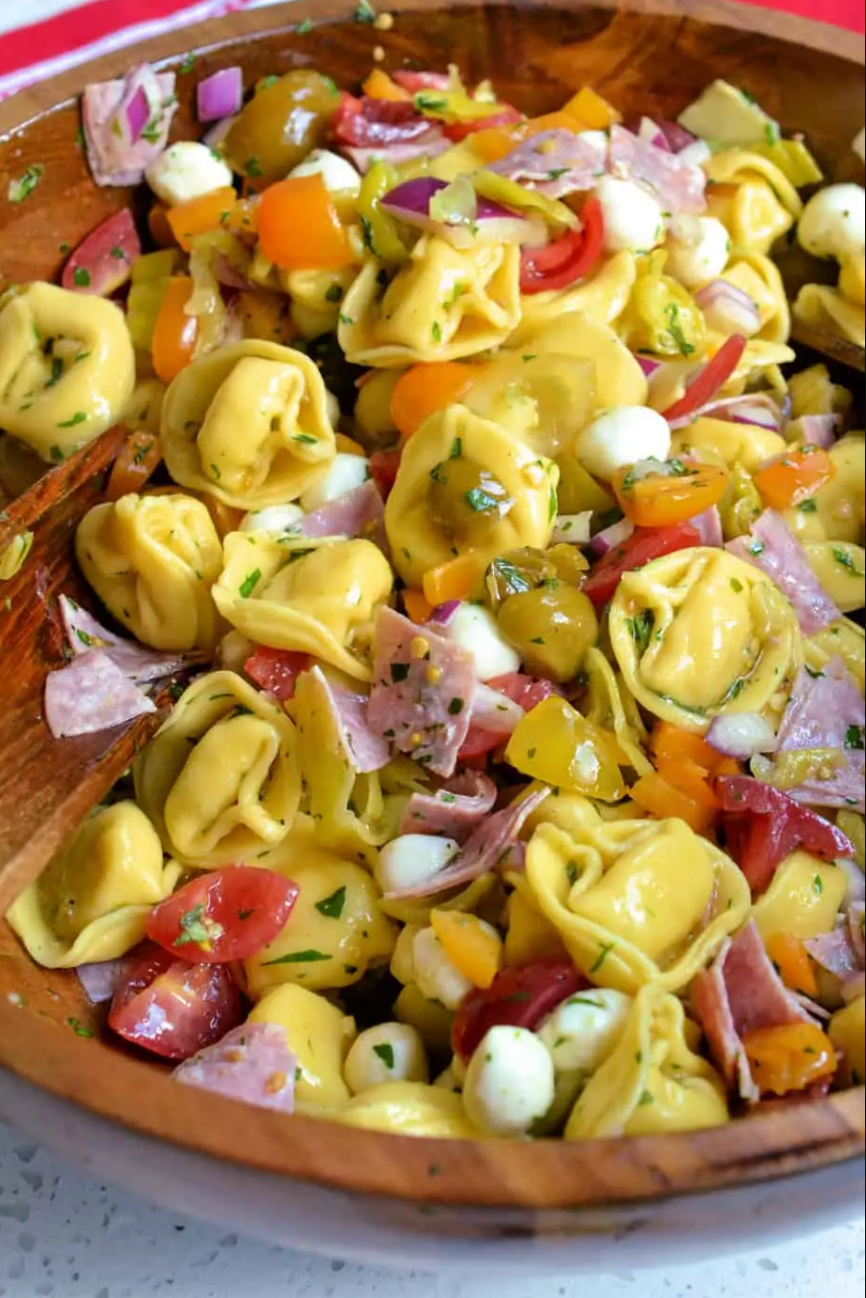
x: 689, y: 763
x: 299, y: 228
x: 426, y: 388
x: 242, y: 219
x: 453, y: 580
x: 595, y: 113
x: 789, y: 1058
x: 664, y: 800
x: 475, y: 951
x: 138, y: 458
x: 418, y: 609
x: 794, y: 477
x: 175, y: 334
x: 493, y: 143
x: 562, y: 120
x: 200, y: 215
x: 160, y: 230
x: 659, y: 500
x: 788, y: 953
x: 380, y: 86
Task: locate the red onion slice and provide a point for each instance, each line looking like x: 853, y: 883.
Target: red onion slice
x: 760, y: 408
x: 728, y: 309
x: 648, y: 364
x: 220, y: 95
x: 443, y: 613
x: 741, y: 734
x: 611, y: 536
x: 494, y: 711
x: 492, y: 223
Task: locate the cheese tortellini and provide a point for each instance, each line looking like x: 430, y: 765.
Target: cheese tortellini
x: 67, y: 368
x: 444, y: 303
x: 152, y: 560
x: 221, y: 780
x: 699, y: 633
x: 619, y: 379
x: 464, y: 485
x: 719, y: 441
x: 91, y: 902
x: 764, y: 204
x: 653, y: 1081
x: 249, y: 424
x: 837, y: 510
x: 317, y: 597
x: 636, y: 901
x: 803, y: 898
x: 600, y: 300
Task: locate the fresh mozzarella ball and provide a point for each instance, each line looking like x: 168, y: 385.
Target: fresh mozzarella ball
x: 388, y: 1052
x: 621, y: 437
x: 834, y: 222
x: 338, y: 175
x: 234, y: 650
x: 509, y: 1082
x: 448, y: 1081
x: 344, y: 473
x: 411, y: 859
x: 582, y: 1031
x: 698, y: 248
x: 633, y: 220
x: 275, y: 518
x: 475, y: 629
x: 402, y: 958
x: 437, y: 978
x: 185, y: 171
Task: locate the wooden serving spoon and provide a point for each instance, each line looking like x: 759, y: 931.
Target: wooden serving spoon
x: 50, y: 784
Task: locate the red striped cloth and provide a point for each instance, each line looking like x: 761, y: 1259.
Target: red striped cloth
x: 86, y: 30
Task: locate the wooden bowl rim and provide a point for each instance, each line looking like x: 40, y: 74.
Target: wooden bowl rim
x: 496, y: 1173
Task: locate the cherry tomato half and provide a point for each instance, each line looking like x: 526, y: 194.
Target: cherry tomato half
x: 223, y: 915
x: 565, y: 260
x: 644, y: 544
x: 710, y: 379
x: 277, y: 670
x: 172, y: 1008
x: 519, y: 997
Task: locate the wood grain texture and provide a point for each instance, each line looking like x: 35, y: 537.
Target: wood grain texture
x: 652, y: 55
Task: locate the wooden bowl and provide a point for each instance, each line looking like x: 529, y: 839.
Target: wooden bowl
x: 650, y: 55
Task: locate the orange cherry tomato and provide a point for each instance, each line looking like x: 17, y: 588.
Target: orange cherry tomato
x: 200, y: 215
x: 789, y: 1058
x: 299, y: 228
x: 662, y: 499
x: 794, y: 476
x: 689, y: 764
x: 174, y: 336
x: 663, y: 800
x: 138, y: 458
x: 426, y: 388
x: 790, y: 956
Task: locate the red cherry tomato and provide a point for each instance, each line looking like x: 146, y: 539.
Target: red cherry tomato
x: 507, y: 116
x: 277, y: 670
x: 383, y: 469
x: 525, y: 690
x: 568, y: 259
x: 644, y: 544
x: 172, y: 1008
x: 223, y: 915
x: 519, y: 997
x: 710, y: 379
x: 103, y: 262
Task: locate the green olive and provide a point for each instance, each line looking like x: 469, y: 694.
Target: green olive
x: 466, y: 501
x: 280, y: 125
x: 521, y: 570
x: 551, y: 628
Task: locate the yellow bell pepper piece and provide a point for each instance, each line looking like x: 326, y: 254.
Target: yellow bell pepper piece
x: 557, y: 745
x: 593, y: 112
x: 470, y: 944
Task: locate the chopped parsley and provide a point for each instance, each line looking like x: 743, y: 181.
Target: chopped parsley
x: 854, y: 737
x: 640, y: 629
x: 56, y: 371
x: 606, y: 948
x: 365, y: 13
x: 645, y: 1099
x: 253, y: 168
x: 572, y: 872
x: 736, y: 586
x: 755, y: 547
x: 346, y: 319
x: 430, y: 103
x: 455, y: 296
x: 20, y: 189
x: 332, y: 907
x: 813, y: 672
x: 455, y: 707
x: 334, y: 293
x: 78, y: 418
x: 189, y: 62
x: 386, y: 1054
x: 87, y: 640
x: 818, y: 884
x: 267, y: 82
x: 310, y: 956
x: 436, y: 330
x: 456, y: 449
x: 306, y: 439
x: 480, y: 500
x: 81, y: 277
x: 809, y: 506
x: 845, y: 560
x: 118, y: 254
x: 215, y: 472
x: 304, y: 27
x: 675, y: 329
x: 249, y: 583
x: 367, y: 234
x: 79, y: 1029
x: 399, y: 672
x: 195, y: 927
x: 552, y: 505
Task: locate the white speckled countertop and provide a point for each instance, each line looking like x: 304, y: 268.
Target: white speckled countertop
x: 65, y: 1235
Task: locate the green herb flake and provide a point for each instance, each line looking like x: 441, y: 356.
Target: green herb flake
x: 675, y: 329
x: 334, y: 293
x: 481, y: 501
x: 455, y: 707
x: 530, y: 356
x: 645, y: 1099
x: 854, y: 737
x: 436, y: 331
x: 253, y: 168
x: 755, y: 548
x: 606, y: 948
x: 81, y: 277
x: 56, y: 371
x: 809, y: 506
x: 87, y: 640
x: 640, y: 629
x: 78, y: 418
x: 552, y: 505
x: 456, y: 449
x: 845, y: 560
x: 365, y: 13
x: 215, y: 472
x: 386, y: 1054
x: 249, y: 583
x: 332, y: 907
x: 736, y: 586
x: 399, y: 672
x: 310, y: 956
x: 306, y: 439
x: 21, y: 189
x: 304, y: 27
x: 189, y: 62
x: 79, y: 1029
x: 818, y: 884
x: 572, y: 872
x: 196, y: 928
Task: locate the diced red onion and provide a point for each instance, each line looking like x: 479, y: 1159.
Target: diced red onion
x: 494, y: 711
x: 648, y: 365
x: 443, y: 613
x: 653, y: 134
x: 142, y: 98
x: 611, y: 536
x: 814, y: 430
x: 750, y: 413
x: 572, y: 527
x: 137, y: 114
x: 220, y: 95
x: 101, y: 980
x: 709, y: 524
x: 728, y: 309
x: 218, y: 132
x: 493, y: 223
x: 856, y: 880
x: 677, y: 137
x: 741, y: 734
x: 695, y: 154
x: 760, y: 408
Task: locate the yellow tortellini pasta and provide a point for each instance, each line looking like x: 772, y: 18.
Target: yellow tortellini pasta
x: 319, y: 1036
x: 721, y: 441
x: 317, y: 597
x: 249, y: 424
x: 699, y: 633
x: 826, y: 308
x: 600, y: 300
x: 409, y: 1109
x: 67, y: 368
x: 612, y: 708
x: 152, y: 560
x: 543, y: 400
x: 653, y: 1081
x: 636, y: 901
x: 765, y: 204
x: 316, y: 297
x: 841, y: 569
x: 842, y: 637
x: 444, y: 303
x: 619, y: 379
x: 846, y: 1031
x: 758, y: 277
x: 221, y: 780
x: 92, y: 901
x: 837, y: 510
x: 803, y: 898
x: 465, y: 485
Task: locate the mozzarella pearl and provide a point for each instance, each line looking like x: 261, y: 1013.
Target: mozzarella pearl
x: 698, y: 248
x: 633, y: 220
x: 620, y: 437
x: 509, y: 1082
x: 275, y: 518
x: 187, y: 170
x: 344, y: 473
x: 388, y: 1052
x: 437, y: 978
x: 834, y: 222
x: 338, y: 175
x: 582, y: 1031
x: 475, y: 629
x: 412, y: 859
